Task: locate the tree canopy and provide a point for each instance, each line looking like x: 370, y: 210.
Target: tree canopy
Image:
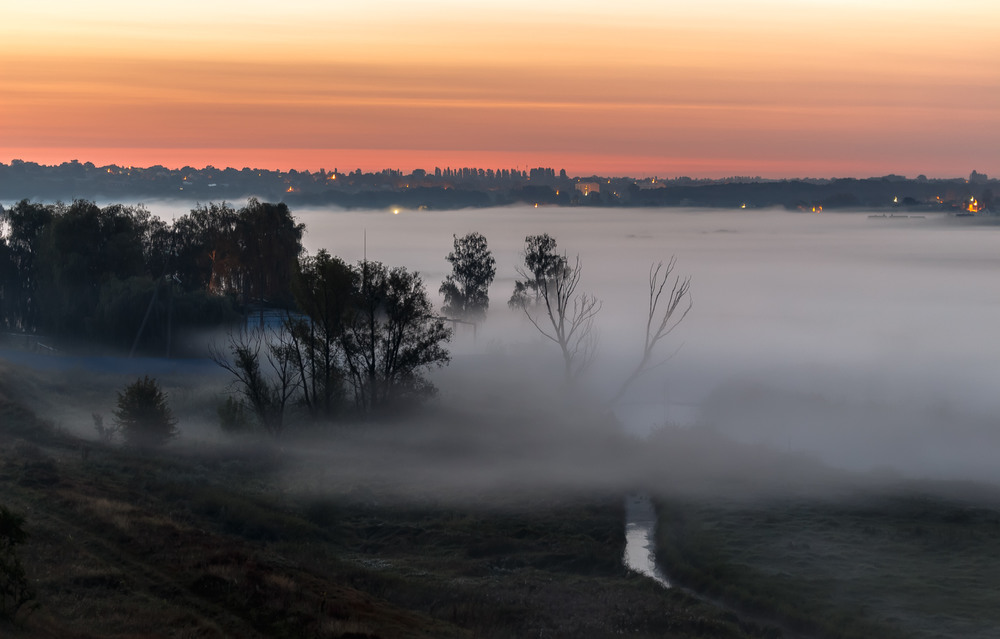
x: 466, y: 289
x: 119, y: 275
x: 391, y: 336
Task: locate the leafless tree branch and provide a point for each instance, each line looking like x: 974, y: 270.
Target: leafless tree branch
x: 660, y: 320
x: 561, y: 315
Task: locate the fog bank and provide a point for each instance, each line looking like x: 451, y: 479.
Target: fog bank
x: 868, y: 341
x: 865, y: 343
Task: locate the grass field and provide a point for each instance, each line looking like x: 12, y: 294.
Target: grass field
x: 906, y: 560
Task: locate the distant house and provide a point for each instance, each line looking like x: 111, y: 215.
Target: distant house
x: 588, y: 187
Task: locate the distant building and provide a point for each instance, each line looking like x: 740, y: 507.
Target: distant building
x: 978, y: 178
x: 588, y: 187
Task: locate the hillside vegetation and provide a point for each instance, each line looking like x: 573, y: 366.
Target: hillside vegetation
x: 210, y: 543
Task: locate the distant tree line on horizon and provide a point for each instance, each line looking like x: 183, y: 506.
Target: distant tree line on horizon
x: 448, y: 188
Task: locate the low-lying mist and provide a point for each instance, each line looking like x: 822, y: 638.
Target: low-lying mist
x: 859, y: 343
x: 867, y: 342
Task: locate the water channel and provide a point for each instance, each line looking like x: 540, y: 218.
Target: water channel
x: 640, y: 538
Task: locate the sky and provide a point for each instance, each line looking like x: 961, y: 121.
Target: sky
x: 779, y: 88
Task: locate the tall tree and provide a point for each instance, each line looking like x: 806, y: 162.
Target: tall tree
x: 466, y: 290
x: 80, y: 250
x: 207, y: 249
x: 8, y: 286
x: 548, y: 296
x: 323, y: 287
x: 270, y: 242
x: 666, y: 309
x: 23, y: 226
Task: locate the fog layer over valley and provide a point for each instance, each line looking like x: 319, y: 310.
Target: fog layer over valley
x: 862, y: 342
x: 866, y: 341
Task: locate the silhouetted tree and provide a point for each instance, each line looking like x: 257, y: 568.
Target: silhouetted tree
x: 143, y: 417
x: 391, y: 337
x: 207, y: 249
x: 269, y: 243
x: 323, y: 287
x: 82, y: 249
x: 466, y: 290
x: 24, y: 224
x: 547, y: 295
x: 666, y: 309
x: 9, y: 286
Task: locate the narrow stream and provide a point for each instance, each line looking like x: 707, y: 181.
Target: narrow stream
x: 640, y: 538
x: 639, y: 556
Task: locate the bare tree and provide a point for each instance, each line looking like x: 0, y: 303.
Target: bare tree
x: 666, y: 310
x: 266, y: 392
x: 548, y: 297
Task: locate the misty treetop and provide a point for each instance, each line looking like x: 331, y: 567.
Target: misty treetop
x: 466, y: 290
x: 119, y: 275
x: 249, y: 252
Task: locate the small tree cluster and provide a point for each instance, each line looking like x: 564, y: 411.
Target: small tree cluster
x: 366, y: 336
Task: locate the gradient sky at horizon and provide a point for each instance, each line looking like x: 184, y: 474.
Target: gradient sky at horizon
x: 778, y: 88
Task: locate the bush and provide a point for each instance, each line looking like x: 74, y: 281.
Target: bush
x: 15, y: 591
x: 143, y: 417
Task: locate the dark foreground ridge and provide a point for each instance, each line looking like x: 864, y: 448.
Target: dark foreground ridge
x: 447, y: 188
x: 198, y: 544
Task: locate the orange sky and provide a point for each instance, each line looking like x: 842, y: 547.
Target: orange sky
x: 780, y: 88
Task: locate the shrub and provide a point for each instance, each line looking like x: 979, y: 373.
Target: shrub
x: 143, y: 417
x: 15, y: 591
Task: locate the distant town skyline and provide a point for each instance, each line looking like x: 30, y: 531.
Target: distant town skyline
x: 408, y: 160
x: 806, y: 88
